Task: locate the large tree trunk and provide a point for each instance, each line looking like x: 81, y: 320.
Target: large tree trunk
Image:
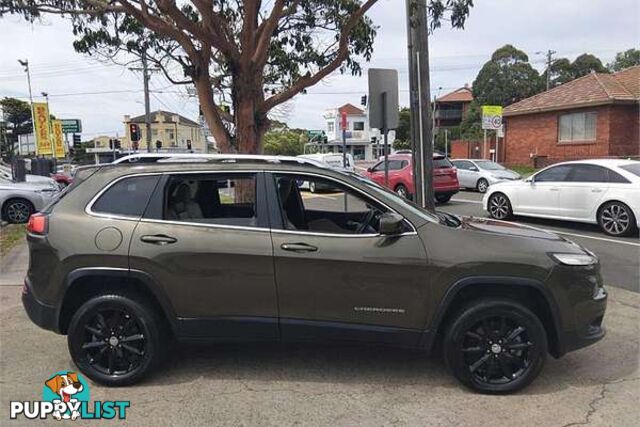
x: 210, y: 112
x: 251, y: 123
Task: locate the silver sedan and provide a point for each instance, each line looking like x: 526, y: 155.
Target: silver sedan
x: 18, y: 200
x: 480, y: 174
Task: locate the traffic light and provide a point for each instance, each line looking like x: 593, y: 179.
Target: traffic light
x: 158, y: 144
x: 116, y: 144
x: 76, y: 139
x: 110, y: 144
x: 363, y: 100
x: 134, y: 131
x: 188, y: 144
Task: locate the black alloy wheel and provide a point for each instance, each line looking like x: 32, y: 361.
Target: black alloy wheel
x: 115, y: 340
x: 443, y: 198
x: 17, y: 211
x: 500, y: 207
x: 496, y: 346
x: 616, y: 219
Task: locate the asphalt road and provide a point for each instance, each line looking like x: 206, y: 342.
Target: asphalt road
x: 620, y: 257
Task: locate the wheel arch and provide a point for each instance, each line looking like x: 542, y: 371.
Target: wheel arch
x: 614, y: 200
x: 84, y: 283
x: 529, y: 292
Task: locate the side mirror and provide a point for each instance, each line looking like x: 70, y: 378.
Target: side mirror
x: 391, y: 223
x: 473, y: 169
x: 530, y: 180
x: 369, y: 169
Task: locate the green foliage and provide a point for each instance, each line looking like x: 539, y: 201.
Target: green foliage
x: 506, y: 78
x: 403, y: 131
x: 284, y: 141
x: 471, y: 125
x: 401, y: 144
x: 626, y: 59
x: 586, y: 64
x: 17, y: 118
x: 561, y: 72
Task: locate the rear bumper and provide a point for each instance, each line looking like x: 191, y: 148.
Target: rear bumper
x: 43, y: 315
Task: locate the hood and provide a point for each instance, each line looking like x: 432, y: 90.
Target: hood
x: 507, y: 229
x: 508, y: 174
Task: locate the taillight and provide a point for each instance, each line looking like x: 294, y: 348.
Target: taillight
x: 38, y: 224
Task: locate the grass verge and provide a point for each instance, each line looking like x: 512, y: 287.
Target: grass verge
x: 525, y: 171
x: 10, y: 235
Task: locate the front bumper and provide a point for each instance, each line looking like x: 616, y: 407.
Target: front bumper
x: 43, y: 315
x: 588, y: 316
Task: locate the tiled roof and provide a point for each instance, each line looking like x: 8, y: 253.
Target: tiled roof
x: 463, y: 94
x: 166, y: 118
x: 351, y: 110
x: 590, y: 90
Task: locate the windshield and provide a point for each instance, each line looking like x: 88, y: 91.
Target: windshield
x: 490, y: 166
x: 441, y: 163
x: 634, y: 168
x: 386, y: 193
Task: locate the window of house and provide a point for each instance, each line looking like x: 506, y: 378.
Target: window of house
x: 577, y: 127
x: 339, y: 210
x: 128, y: 197
x: 212, y: 199
x: 330, y: 126
x: 358, y: 125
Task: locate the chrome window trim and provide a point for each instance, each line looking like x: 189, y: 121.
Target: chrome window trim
x: 89, y: 211
x: 89, y: 208
x: 357, y: 190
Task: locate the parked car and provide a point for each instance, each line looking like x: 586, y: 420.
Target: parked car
x: 445, y: 178
x: 158, y: 251
x: 6, y: 174
x: 62, y: 179
x: 604, y: 192
x: 18, y: 200
x: 480, y: 174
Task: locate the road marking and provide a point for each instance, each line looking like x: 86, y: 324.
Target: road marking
x: 477, y: 202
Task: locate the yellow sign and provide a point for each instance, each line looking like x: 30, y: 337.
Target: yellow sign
x: 42, y: 129
x: 491, y: 117
x: 58, y: 138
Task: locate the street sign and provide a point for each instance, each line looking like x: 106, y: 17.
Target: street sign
x: 491, y: 117
x: 71, y: 126
x: 383, y: 98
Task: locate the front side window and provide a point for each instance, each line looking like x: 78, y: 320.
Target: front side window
x: 577, y: 127
x: 333, y: 208
x: 127, y: 197
x: 462, y: 164
x: 212, y: 199
x: 556, y: 173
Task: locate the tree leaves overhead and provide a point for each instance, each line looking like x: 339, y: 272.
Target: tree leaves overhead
x: 626, y: 59
x: 507, y: 78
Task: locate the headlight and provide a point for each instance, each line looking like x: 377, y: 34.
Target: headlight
x: 575, y: 259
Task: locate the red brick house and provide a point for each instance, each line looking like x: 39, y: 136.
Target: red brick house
x: 593, y: 116
x: 451, y: 108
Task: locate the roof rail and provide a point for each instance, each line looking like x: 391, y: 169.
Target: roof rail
x: 211, y: 158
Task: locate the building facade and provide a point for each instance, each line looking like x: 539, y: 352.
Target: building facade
x: 363, y: 142
x: 451, y: 108
x: 173, y: 131
x: 593, y: 116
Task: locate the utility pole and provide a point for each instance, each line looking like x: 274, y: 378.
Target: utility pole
x: 419, y: 27
x: 25, y: 64
x: 549, y: 54
x: 147, y: 108
x: 414, y: 105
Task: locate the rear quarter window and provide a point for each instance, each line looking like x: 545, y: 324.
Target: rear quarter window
x: 441, y: 163
x: 127, y: 197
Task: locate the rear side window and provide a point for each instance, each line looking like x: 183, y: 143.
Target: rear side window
x: 127, y: 197
x: 588, y: 173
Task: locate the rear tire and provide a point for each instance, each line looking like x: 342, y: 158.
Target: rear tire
x: 443, y: 198
x: 499, y: 207
x: 616, y: 219
x: 482, y: 185
x: 17, y: 211
x: 116, y: 339
x: 495, y: 346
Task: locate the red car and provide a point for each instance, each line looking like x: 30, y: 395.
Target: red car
x: 445, y: 176
x: 62, y: 179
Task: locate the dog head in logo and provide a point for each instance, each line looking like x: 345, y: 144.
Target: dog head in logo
x: 65, y: 385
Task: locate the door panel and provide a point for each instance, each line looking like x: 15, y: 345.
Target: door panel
x: 541, y: 196
x: 214, y: 258
x: 581, y: 194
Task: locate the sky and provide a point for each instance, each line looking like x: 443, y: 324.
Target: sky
x: 101, y: 94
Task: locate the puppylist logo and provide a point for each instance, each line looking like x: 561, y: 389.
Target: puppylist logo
x: 65, y: 396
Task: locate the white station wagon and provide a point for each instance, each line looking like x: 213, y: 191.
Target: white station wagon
x: 604, y: 192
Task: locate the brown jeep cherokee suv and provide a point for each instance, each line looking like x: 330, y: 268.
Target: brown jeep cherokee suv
x: 224, y: 248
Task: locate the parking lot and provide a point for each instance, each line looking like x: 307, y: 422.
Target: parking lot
x: 271, y: 384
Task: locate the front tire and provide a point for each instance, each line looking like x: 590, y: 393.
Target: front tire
x: 482, y: 185
x: 402, y: 191
x: 115, y: 339
x: 495, y: 346
x: 17, y: 211
x: 312, y: 187
x: 616, y: 219
x: 499, y: 207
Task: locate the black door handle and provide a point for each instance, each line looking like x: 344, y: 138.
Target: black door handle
x: 159, y: 239
x: 298, y: 247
